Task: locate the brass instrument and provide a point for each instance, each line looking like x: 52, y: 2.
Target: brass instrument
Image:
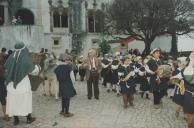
x: 179, y: 83
x: 182, y: 87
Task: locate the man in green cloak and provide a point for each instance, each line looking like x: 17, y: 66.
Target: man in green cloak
x: 19, y: 94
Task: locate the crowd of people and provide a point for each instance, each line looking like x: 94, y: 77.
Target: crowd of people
x: 120, y: 73
x: 156, y: 74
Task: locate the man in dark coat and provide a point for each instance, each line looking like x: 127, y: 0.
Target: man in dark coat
x: 65, y: 76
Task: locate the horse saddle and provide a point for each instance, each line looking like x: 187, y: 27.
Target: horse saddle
x: 35, y: 82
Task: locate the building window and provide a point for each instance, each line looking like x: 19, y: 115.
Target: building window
x: 1, y: 14
x: 60, y: 21
x: 95, y: 21
x: 56, y: 42
x: 26, y: 15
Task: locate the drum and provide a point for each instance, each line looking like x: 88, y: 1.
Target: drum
x: 164, y: 71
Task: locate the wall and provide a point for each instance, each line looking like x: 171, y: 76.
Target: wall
x: 64, y: 42
x: 186, y: 42
x: 35, y: 7
x: 32, y: 36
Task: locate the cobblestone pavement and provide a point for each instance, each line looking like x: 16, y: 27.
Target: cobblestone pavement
x: 104, y: 113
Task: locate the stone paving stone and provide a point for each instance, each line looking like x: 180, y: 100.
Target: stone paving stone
x: 108, y: 112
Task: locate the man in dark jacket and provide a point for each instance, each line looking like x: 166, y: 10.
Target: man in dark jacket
x: 65, y: 76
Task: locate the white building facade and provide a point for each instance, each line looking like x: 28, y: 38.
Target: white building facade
x: 59, y: 25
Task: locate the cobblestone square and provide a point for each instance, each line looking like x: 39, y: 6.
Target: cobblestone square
x: 107, y: 112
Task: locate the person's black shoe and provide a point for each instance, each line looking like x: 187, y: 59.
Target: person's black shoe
x: 147, y: 96
x: 89, y: 98
x: 30, y: 119
x: 16, y: 120
x: 97, y: 98
x: 108, y: 90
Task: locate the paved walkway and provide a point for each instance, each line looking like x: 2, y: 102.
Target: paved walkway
x: 104, y: 113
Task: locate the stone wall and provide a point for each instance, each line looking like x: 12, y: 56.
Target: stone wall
x: 32, y: 36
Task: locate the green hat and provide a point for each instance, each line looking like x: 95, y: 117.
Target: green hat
x: 18, y: 65
x: 19, y: 45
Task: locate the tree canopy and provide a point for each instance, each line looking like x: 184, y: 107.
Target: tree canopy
x: 147, y: 19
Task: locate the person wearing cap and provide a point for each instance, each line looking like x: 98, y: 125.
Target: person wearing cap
x: 178, y: 98
x: 93, y: 69
x: 114, y: 73
x: 187, y: 80
x: 141, y: 77
x: 66, y: 79
x: 126, y: 82
x: 170, y: 89
x: 158, y: 85
x: 19, y: 95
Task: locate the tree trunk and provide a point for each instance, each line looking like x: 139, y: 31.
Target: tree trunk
x: 174, y: 49
x: 147, y: 49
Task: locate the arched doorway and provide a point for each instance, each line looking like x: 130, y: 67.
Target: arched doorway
x: 26, y: 15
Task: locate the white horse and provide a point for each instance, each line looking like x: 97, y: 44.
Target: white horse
x: 50, y: 82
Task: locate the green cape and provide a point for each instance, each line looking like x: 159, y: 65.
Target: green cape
x: 18, y: 65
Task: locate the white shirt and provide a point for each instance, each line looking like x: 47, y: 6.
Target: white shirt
x: 92, y: 65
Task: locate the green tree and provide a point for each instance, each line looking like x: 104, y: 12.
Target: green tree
x: 104, y: 47
x: 147, y: 19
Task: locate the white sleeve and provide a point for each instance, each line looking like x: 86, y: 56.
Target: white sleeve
x: 120, y: 73
x: 141, y: 73
x: 72, y: 77
x: 104, y: 66
x: 114, y: 67
x: 136, y: 70
x: 179, y: 76
x: 148, y: 70
x: 36, y: 70
x: 132, y: 73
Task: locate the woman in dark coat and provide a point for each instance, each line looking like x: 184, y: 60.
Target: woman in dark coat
x: 127, y: 82
x: 187, y: 84
x: 178, y: 98
x: 3, y: 91
x: 66, y: 79
x: 158, y: 85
